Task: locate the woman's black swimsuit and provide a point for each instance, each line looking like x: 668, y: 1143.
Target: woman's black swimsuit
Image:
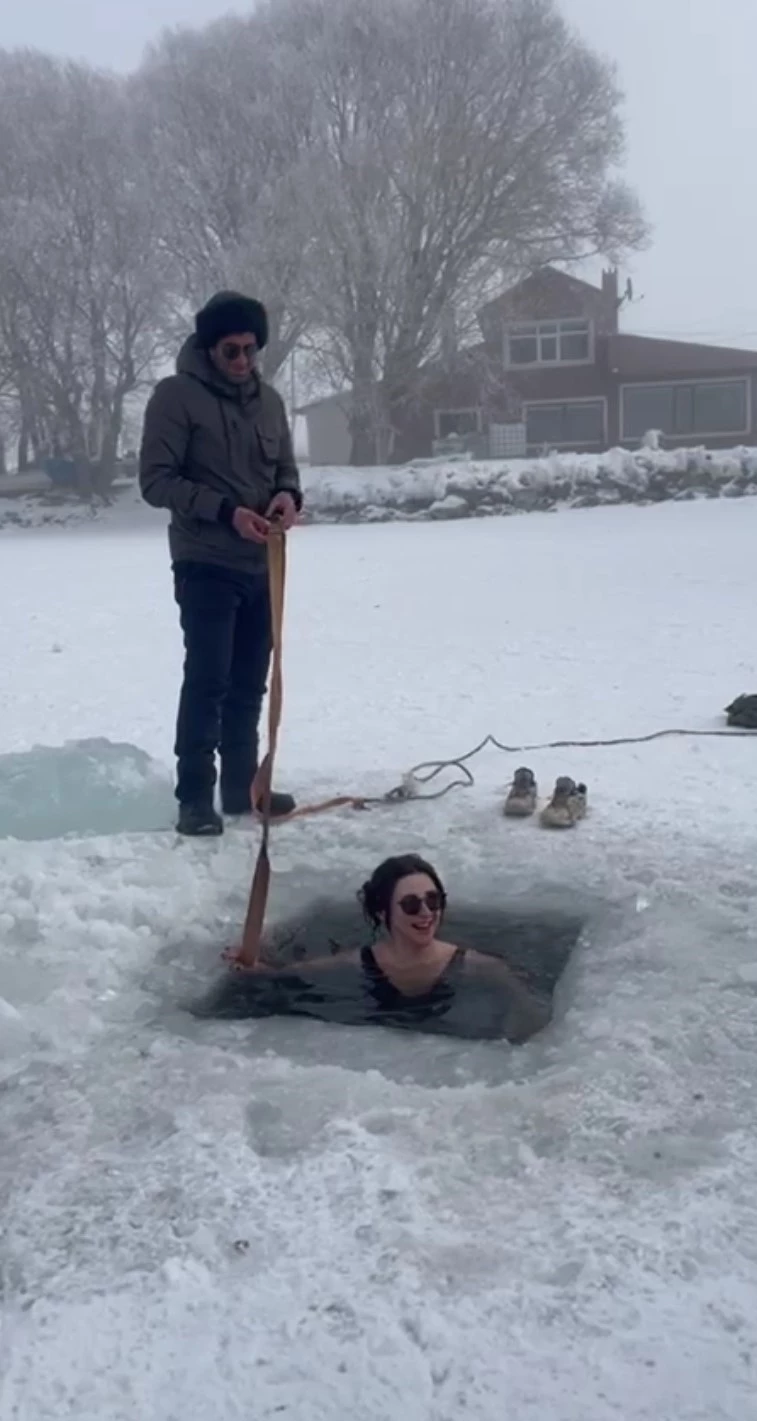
x: 360, y: 994
x: 392, y: 1007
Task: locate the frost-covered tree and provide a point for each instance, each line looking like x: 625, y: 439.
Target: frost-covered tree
x: 453, y: 138
x: 367, y: 169
x: 82, y: 278
x: 226, y: 128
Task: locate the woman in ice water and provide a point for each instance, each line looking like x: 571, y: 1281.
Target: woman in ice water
x: 410, y: 977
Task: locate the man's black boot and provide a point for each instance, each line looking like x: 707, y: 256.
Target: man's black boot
x: 199, y: 821
x: 237, y: 802
x: 282, y: 804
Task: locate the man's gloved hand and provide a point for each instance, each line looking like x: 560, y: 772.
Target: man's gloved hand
x: 283, y: 509
x: 250, y: 526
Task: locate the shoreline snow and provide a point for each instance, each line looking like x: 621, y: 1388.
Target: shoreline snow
x: 441, y: 489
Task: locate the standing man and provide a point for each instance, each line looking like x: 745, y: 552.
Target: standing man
x: 217, y: 453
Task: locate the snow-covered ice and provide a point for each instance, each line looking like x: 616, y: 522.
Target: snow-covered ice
x: 280, y: 1218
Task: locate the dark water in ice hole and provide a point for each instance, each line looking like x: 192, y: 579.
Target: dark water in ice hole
x: 536, y: 942
x: 545, y: 927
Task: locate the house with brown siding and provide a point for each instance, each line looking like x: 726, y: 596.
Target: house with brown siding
x: 554, y: 371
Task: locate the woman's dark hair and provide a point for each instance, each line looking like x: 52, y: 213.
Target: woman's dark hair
x: 375, y: 896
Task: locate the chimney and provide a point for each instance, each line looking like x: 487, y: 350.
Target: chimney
x: 611, y: 299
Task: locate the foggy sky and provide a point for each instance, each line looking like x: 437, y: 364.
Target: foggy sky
x: 687, y: 67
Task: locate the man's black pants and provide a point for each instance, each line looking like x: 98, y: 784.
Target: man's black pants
x: 226, y: 621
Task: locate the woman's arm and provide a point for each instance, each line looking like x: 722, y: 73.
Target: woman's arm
x: 526, y: 1013
x: 281, y: 971
x: 272, y: 989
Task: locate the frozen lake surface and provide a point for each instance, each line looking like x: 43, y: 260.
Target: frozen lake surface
x: 284, y: 1218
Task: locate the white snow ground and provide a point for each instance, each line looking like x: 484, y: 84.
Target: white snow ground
x: 282, y: 1218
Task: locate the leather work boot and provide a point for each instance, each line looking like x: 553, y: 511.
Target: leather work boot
x: 522, y: 795
x: 567, y: 805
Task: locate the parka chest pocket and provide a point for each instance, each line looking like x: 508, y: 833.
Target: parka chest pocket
x: 268, y: 440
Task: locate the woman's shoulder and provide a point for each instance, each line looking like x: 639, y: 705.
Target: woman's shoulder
x: 450, y: 947
x: 484, y: 962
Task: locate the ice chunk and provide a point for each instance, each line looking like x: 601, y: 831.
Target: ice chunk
x: 82, y: 787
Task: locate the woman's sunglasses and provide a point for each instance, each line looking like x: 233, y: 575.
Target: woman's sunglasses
x: 414, y: 903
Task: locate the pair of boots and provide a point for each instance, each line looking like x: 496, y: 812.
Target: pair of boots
x: 567, y: 805
x: 204, y: 821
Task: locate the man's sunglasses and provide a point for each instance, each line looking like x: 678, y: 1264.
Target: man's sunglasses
x: 414, y: 903
x: 231, y: 351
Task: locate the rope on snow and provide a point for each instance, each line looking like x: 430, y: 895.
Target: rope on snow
x: 411, y: 784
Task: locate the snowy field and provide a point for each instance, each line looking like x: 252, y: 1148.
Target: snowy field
x: 285, y: 1219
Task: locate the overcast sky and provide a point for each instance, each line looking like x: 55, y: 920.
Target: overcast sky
x: 688, y: 70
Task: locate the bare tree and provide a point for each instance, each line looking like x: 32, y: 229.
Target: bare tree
x: 81, y: 282
x: 368, y: 170
x: 226, y: 129
x: 455, y: 138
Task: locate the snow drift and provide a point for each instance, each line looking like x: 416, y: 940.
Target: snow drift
x: 439, y: 489
x: 463, y: 488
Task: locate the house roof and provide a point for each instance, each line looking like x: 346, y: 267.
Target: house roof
x: 629, y: 357
x: 646, y: 356
x: 428, y: 369
x: 542, y: 276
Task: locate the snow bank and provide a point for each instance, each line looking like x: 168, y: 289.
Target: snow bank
x: 442, y: 489
x: 431, y: 489
x: 61, y: 510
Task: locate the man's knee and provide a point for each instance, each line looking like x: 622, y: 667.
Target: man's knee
x: 205, y: 683
x: 249, y: 668
x: 248, y: 684
x: 207, y: 656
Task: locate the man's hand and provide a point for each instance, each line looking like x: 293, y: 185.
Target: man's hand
x: 250, y: 526
x: 283, y: 509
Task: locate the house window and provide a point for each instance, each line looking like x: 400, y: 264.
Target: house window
x: 572, y: 423
x: 701, y: 407
x: 549, y: 343
x: 457, y: 422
